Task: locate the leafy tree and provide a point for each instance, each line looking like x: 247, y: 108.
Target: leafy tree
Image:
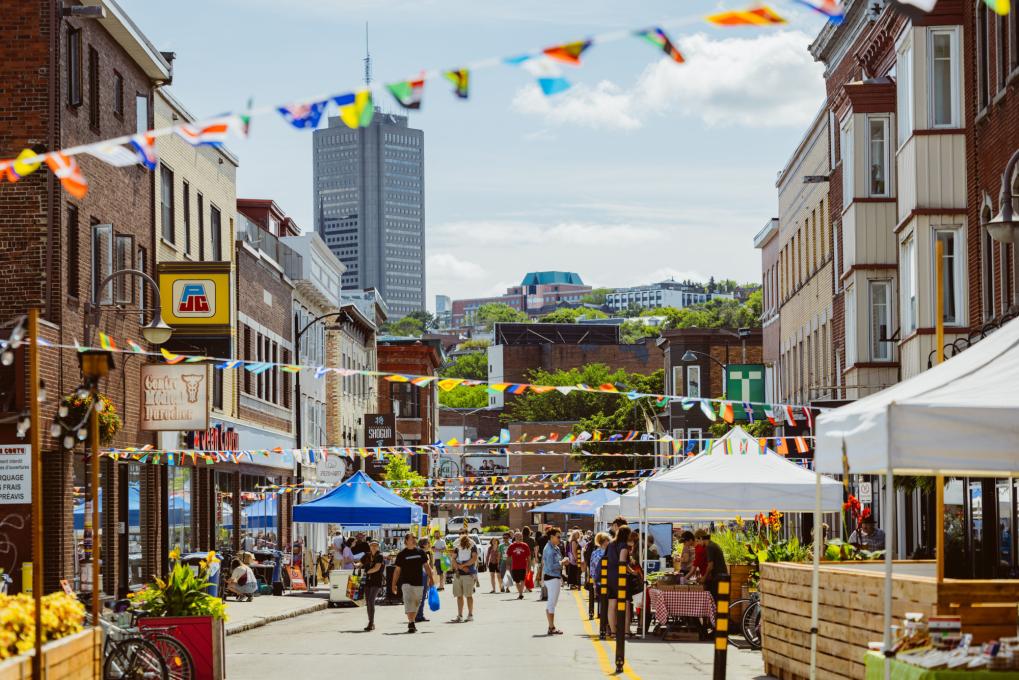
x: 632, y: 310
x: 634, y: 331
x: 717, y: 313
x: 497, y: 312
x: 474, y: 344
x: 472, y: 366
x: 408, y: 326
x: 596, y: 296
x: 573, y: 314
x: 401, y: 476
x: 426, y: 319
x: 475, y: 396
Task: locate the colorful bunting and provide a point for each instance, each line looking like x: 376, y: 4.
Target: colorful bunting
x: 305, y: 115
x: 67, y: 171
x: 408, y: 93
x: 170, y: 357
x: 117, y: 155
x: 830, y: 8
x: 568, y: 53
x: 356, y: 108
x: 1001, y: 7
x: 19, y: 168
x: 548, y: 74
x: 207, y: 134
x: 659, y: 39
x: 761, y: 15
x: 145, y: 147
x: 708, y: 411
x: 106, y: 342
x: 461, y: 81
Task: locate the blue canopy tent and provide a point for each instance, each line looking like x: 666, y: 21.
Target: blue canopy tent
x: 585, y: 504
x: 261, y: 514
x: 359, y: 500
x: 180, y: 510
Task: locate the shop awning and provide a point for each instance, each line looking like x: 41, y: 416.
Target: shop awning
x: 359, y: 500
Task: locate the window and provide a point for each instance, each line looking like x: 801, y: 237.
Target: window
x: 246, y: 354
x: 166, y: 201
x: 693, y: 381
x: 405, y: 400
x: 72, y: 251
x: 118, y: 95
x: 904, y: 91
x: 102, y: 261
x: 201, y: 227
x: 695, y: 434
x: 878, y: 155
x: 93, y: 88
x: 1002, y: 56
x: 850, y: 302
x: 907, y: 269
x: 142, y: 265
x: 846, y: 144
x: 836, y: 265
x: 1013, y: 40
x: 74, y: 66
x: 216, y: 229
x: 186, y: 195
x: 123, y: 258
x: 880, y: 320
x: 943, y: 51
x: 677, y: 380
x: 141, y: 110
x: 951, y: 263
x: 983, y: 56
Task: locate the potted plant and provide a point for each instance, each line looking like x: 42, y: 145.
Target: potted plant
x: 183, y: 604
x: 62, y: 634
x: 77, y: 405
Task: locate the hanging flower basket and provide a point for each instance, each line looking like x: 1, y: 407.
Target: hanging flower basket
x: 109, y: 421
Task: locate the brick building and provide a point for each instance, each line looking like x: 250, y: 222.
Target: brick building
x: 767, y: 241
x: 537, y: 292
x: 69, y: 81
x: 416, y: 408
x: 538, y: 464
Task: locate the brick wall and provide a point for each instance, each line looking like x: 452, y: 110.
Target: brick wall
x: 525, y: 465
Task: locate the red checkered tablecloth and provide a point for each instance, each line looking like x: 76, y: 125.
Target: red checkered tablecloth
x: 668, y: 604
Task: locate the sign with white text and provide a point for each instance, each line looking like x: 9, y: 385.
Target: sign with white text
x: 15, y: 474
x: 379, y: 429
x: 174, y: 397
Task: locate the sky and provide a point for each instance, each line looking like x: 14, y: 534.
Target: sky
x: 645, y: 169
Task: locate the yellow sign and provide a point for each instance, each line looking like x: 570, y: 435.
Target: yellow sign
x: 195, y: 296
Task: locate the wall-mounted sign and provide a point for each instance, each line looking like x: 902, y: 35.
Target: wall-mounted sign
x: 379, y: 429
x: 330, y: 470
x: 745, y: 382
x: 15, y: 474
x: 174, y: 397
x: 195, y: 296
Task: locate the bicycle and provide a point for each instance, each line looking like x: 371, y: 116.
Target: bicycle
x: 129, y: 656
x: 179, y: 663
x: 750, y: 626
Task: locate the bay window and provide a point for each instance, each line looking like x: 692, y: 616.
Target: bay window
x: 880, y: 320
x: 850, y: 325
x: 944, y: 62
x: 846, y: 145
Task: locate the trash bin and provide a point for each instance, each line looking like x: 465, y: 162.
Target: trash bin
x: 338, y: 579
x: 194, y: 561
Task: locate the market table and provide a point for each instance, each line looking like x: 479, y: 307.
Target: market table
x: 901, y: 670
x: 668, y: 604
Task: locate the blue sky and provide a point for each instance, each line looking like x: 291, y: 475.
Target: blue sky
x: 644, y: 169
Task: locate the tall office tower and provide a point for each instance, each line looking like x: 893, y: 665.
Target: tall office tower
x: 370, y: 207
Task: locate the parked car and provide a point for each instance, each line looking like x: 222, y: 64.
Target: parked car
x: 454, y: 525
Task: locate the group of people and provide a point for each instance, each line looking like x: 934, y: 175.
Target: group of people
x: 701, y: 559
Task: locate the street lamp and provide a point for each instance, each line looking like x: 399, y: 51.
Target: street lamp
x: 1004, y: 227
x: 298, y: 332
x: 155, y: 332
x: 691, y: 355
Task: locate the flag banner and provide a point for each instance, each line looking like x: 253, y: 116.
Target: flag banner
x: 659, y: 39
x: 568, y: 53
x: 545, y: 71
x: 408, y: 93
x: 761, y: 15
x: 830, y: 8
x: 1001, y: 7
x: 708, y: 411
x: 461, y: 79
x: 145, y: 149
x: 304, y: 116
x: 117, y: 155
x: 67, y: 171
x: 21, y: 167
x: 106, y: 342
x: 726, y: 411
x: 356, y: 108
x: 208, y: 134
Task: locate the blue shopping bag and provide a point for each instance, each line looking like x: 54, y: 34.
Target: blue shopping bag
x: 433, y: 599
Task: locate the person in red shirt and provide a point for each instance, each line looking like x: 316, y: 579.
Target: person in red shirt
x: 700, y: 559
x: 519, y: 554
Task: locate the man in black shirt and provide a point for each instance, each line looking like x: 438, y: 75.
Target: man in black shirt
x: 716, y: 562
x: 411, y: 566
x: 360, y: 546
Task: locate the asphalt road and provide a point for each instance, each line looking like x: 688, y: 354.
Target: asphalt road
x: 506, y: 640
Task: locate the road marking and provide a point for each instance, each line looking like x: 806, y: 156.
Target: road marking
x: 602, y: 650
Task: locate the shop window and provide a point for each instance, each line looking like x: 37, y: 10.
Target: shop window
x: 178, y: 521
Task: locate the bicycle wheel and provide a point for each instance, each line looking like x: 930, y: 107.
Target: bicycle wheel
x: 134, y: 659
x: 752, y: 625
x: 736, y: 610
x: 179, y: 664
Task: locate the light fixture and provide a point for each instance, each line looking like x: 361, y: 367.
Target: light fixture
x: 55, y: 430
x: 68, y: 442
x: 1004, y: 227
x: 95, y: 363
x: 7, y: 358
x: 42, y: 391
x: 689, y: 356
x: 157, y: 332
x: 62, y: 412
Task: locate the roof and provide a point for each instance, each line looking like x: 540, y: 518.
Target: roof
x: 544, y: 278
x: 127, y: 34
x: 767, y: 233
x: 556, y: 334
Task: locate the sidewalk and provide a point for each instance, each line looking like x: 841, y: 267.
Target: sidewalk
x: 265, y: 609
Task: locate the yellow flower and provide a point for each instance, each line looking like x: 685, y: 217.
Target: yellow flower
x: 211, y: 557
x: 202, y: 564
x: 175, y: 554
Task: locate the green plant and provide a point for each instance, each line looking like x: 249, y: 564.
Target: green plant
x: 182, y: 593
x: 837, y: 550
x: 735, y: 546
x: 495, y: 529
x: 78, y: 406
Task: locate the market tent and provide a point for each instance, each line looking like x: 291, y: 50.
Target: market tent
x: 261, y: 514
x: 959, y: 418
x: 133, y: 508
x: 582, y: 504
x: 737, y: 476
x: 359, y: 500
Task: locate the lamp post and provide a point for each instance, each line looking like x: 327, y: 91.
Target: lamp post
x: 298, y: 333
x: 691, y: 355
x: 1004, y: 227
x: 156, y: 332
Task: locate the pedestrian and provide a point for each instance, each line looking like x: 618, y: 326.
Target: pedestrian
x: 424, y: 546
x: 618, y: 553
x: 242, y: 581
x: 248, y: 544
x: 594, y: 565
x: 715, y: 559
x: 532, y: 545
x: 503, y: 562
x: 409, y: 576
x: 573, y: 555
x: 552, y: 562
x: 700, y: 556
x: 519, y: 554
x: 683, y: 563
x: 439, y: 549
x: 360, y: 547
x: 492, y: 564
x: 616, y: 523
x: 374, y: 565
x: 466, y: 565
x: 868, y: 536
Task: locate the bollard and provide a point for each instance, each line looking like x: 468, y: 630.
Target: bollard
x: 721, y: 626
x: 622, y: 624
x: 603, y: 599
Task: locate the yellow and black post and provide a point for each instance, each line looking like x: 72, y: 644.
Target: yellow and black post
x: 721, y: 626
x: 603, y: 598
x: 622, y: 624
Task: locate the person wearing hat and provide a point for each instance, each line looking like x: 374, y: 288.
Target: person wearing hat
x: 374, y: 565
x: 868, y: 536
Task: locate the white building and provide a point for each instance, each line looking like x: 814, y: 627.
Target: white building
x: 663, y: 294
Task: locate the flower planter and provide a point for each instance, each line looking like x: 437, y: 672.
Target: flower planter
x: 202, y: 636
x: 75, y: 657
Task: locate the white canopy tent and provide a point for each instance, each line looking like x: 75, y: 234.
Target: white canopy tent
x: 960, y: 418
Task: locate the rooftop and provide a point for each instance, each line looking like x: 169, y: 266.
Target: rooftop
x: 556, y: 334
x: 545, y: 278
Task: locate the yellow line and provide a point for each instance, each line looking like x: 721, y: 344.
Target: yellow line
x: 608, y: 667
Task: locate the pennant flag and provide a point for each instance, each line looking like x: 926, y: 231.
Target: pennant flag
x: 516, y: 389
x: 170, y: 357
x: 257, y: 368
x: 396, y: 377
x: 707, y: 410
x: 789, y: 416
x: 542, y: 389
x: 145, y: 147
x: 810, y: 418
x: 305, y: 115
x: 606, y: 387
x: 18, y: 168
x: 67, y: 171
x: 194, y: 360
x: 408, y: 93
x: 421, y: 381
x: 291, y: 368
x: 446, y: 384
x: 662, y: 402
x: 761, y: 15
x: 830, y: 8
x: 548, y: 74
x: 769, y: 413
x: 209, y: 134
x: 568, y: 53
x: 356, y: 108
x: 114, y: 154
x: 461, y: 81
x: 781, y: 446
x: 321, y: 371
x: 749, y: 410
x: 657, y: 37
x: 688, y: 449
x: 687, y: 403
x: 1002, y: 7
x: 106, y: 342
x: 726, y: 412
x: 245, y: 118
x: 229, y: 363
x: 498, y: 387
x: 801, y: 444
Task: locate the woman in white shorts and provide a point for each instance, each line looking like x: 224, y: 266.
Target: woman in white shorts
x: 552, y: 561
x: 466, y: 554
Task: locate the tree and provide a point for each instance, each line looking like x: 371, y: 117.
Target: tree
x: 474, y: 344
x: 408, y: 326
x: 596, y: 296
x: 472, y: 366
x: 632, y: 332
x: 426, y: 319
x: 475, y: 396
x: 573, y: 314
x: 401, y: 477
x: 497, y: 312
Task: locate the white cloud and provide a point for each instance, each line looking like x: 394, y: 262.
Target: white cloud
x: 454, y: 267
x: 767, y: 81
x: 520, y: 233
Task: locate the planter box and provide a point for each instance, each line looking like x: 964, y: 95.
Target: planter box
x: 75, y: 657
x: 203, y: 637
x: 851, y: 613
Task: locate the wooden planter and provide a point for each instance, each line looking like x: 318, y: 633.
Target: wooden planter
x: 203, y: 636
x: 851, y: 614
x: 75, y: 657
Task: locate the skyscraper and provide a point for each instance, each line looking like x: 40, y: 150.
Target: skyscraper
x: 370, y: 206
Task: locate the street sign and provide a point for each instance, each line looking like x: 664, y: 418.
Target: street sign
x: 15, y: 474
x: 866, y: 490
x: 330, y: 470
x: 745, y: 382
x: 380, y: 429
x: 195, y: 297
x: 174, y: 397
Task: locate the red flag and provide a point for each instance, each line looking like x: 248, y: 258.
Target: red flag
x: 727, y: 414
x: 801, y: 445
x: 789, y: 416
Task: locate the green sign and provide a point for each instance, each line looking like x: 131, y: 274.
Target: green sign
x: 745, y: 382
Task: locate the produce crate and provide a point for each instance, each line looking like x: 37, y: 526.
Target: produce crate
x: 75, y: 657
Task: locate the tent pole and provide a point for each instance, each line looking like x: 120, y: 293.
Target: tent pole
x: 939, y: 527
x: 889, y: 508
x: 939, y: 480
x: 815, y: 577
x: 643, y: 558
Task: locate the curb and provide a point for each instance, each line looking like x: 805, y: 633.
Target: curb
x: 266, y: 620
